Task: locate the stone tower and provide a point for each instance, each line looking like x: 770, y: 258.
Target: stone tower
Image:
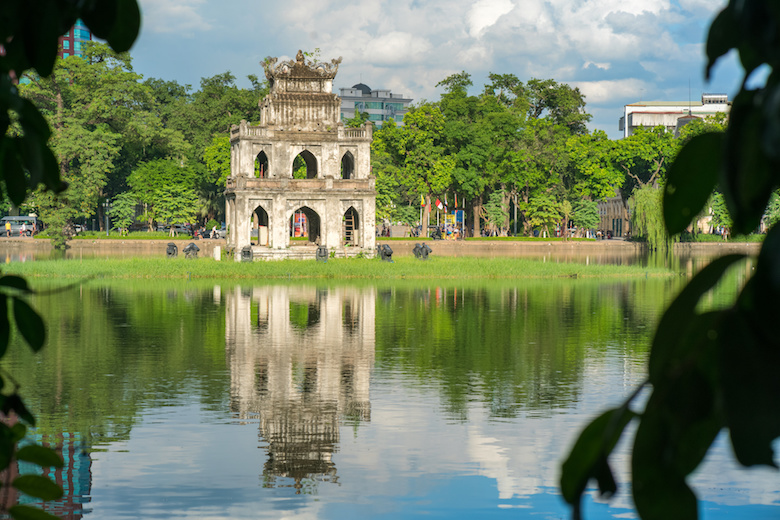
x: 334, y: 205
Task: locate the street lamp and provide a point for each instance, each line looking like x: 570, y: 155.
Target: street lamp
x: 106, y: 207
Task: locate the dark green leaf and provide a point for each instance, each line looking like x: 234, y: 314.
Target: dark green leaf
x: 30, y: 324
x: 5, y: 325
x: 16, y: 282
x: 126, y: 26
x: 7, y: 446
x: 748, y: 176
x: 751, y: 389
x: 39, y: 487
x: 681, y: 314
x: 13, y: 403
x: 660, y: 491
x: 690, y: 180
x: 40, y: 455
x: 13, y: 171
x: 30, y: 513
x: 721, y: 37
x: 589, y: 454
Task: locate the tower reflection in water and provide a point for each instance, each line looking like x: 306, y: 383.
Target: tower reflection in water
x: 300, y: 360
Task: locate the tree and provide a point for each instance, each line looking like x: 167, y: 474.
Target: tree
x: 167, y: 189
x: 29, y: 32
x: 708, y: 370
x: 95, y: 104
x: 122, y: 211
x: 426, y: 169
x: 585, y: 215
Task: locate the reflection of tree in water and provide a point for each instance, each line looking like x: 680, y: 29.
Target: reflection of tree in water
x: 300, y: 359
x: 520, y: 348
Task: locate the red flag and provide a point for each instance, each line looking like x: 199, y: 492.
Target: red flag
x: 456, y: 200
x: 439, y: 204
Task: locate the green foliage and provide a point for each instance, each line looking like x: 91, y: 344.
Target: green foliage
x: 586, y: 214
x: 495, y: 210
x: 216, y: 156
x: 712, y: 370
x: 168, y: 191
x: 647, y: 220
x: 122, y: 210
x: 543, y: 212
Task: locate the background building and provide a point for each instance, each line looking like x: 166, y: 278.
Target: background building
x: 671, y: 114
x: 381, y: 105
x: 72, y: 42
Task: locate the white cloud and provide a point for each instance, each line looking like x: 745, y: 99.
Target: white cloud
x: 485, y: 13
x: 597, y: 92
x: 173, y: 16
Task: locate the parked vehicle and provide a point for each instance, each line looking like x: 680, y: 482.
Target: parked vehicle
x: 31, y: 225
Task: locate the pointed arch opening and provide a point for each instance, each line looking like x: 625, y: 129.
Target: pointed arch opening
x: 261, y: 166
x: 260, y: 230
x: 304, y: 166
x: 304, y: 224
x: 350, y: 227
x: 348, y: 166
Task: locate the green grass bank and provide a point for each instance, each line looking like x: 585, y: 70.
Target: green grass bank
x: 347, y: 269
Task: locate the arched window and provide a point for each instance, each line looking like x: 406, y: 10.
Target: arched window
x: 304, y: 166
x: 305, y: 222
x: 350, y: 227
x: 347, y: 166
x: 261, y: 166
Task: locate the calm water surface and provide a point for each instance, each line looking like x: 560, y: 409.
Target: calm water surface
x: 173, y: 400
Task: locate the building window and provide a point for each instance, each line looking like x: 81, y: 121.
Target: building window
x: 374, y: 105
x: 66, y: 44
x: 65, y: 54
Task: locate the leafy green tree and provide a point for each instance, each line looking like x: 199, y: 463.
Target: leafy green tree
x: 30, y: 32
x: 772, y: 216
x: 720, y: 212
x: 426, y: 169
x: 167, y: 189
x: 543, y: 212
x: 559, y: 102
x: 122, y: 210
x: 709, y: 370
x: 647, y: 218
x: 585, y: 215
x: 95, y: 106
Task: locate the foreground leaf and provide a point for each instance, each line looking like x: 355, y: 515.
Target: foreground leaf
x: 40, y: 455
x: 690, y: 180
x: 30, y: 513
x: 588, y: 457
x: 37, y: 486
x: 30, y: 324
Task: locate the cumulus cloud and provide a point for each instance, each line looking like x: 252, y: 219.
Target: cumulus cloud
x: 485, y: 13
x: 600, y: 91
x: 174, y: 16
x: 612, y: 49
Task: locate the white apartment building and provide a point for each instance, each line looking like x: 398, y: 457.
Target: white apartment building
x: 671, y: 114
x: 381, y: 105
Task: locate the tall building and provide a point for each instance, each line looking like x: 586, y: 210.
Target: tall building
x: 381, y: 105
x: 72, y: 42
x: 671, y: 114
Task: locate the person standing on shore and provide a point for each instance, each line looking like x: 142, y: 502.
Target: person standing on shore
x: 8, y: 229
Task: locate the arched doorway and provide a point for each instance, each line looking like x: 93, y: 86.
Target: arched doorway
x: 350, y: 228
x: 304, y: 223
x: 260, y: 231
x: 347, y: 166
x: 261, y: 165
x: 304, y: 166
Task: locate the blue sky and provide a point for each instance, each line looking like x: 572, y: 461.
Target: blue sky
x: 615, y: 51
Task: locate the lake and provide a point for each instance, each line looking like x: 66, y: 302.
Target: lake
x: 333, y: 401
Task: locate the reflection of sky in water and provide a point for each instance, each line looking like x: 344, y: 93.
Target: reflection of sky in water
x: 398, y: 450
x: 410, y: 461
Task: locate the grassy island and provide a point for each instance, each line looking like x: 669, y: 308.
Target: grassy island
x: 355, y: 268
